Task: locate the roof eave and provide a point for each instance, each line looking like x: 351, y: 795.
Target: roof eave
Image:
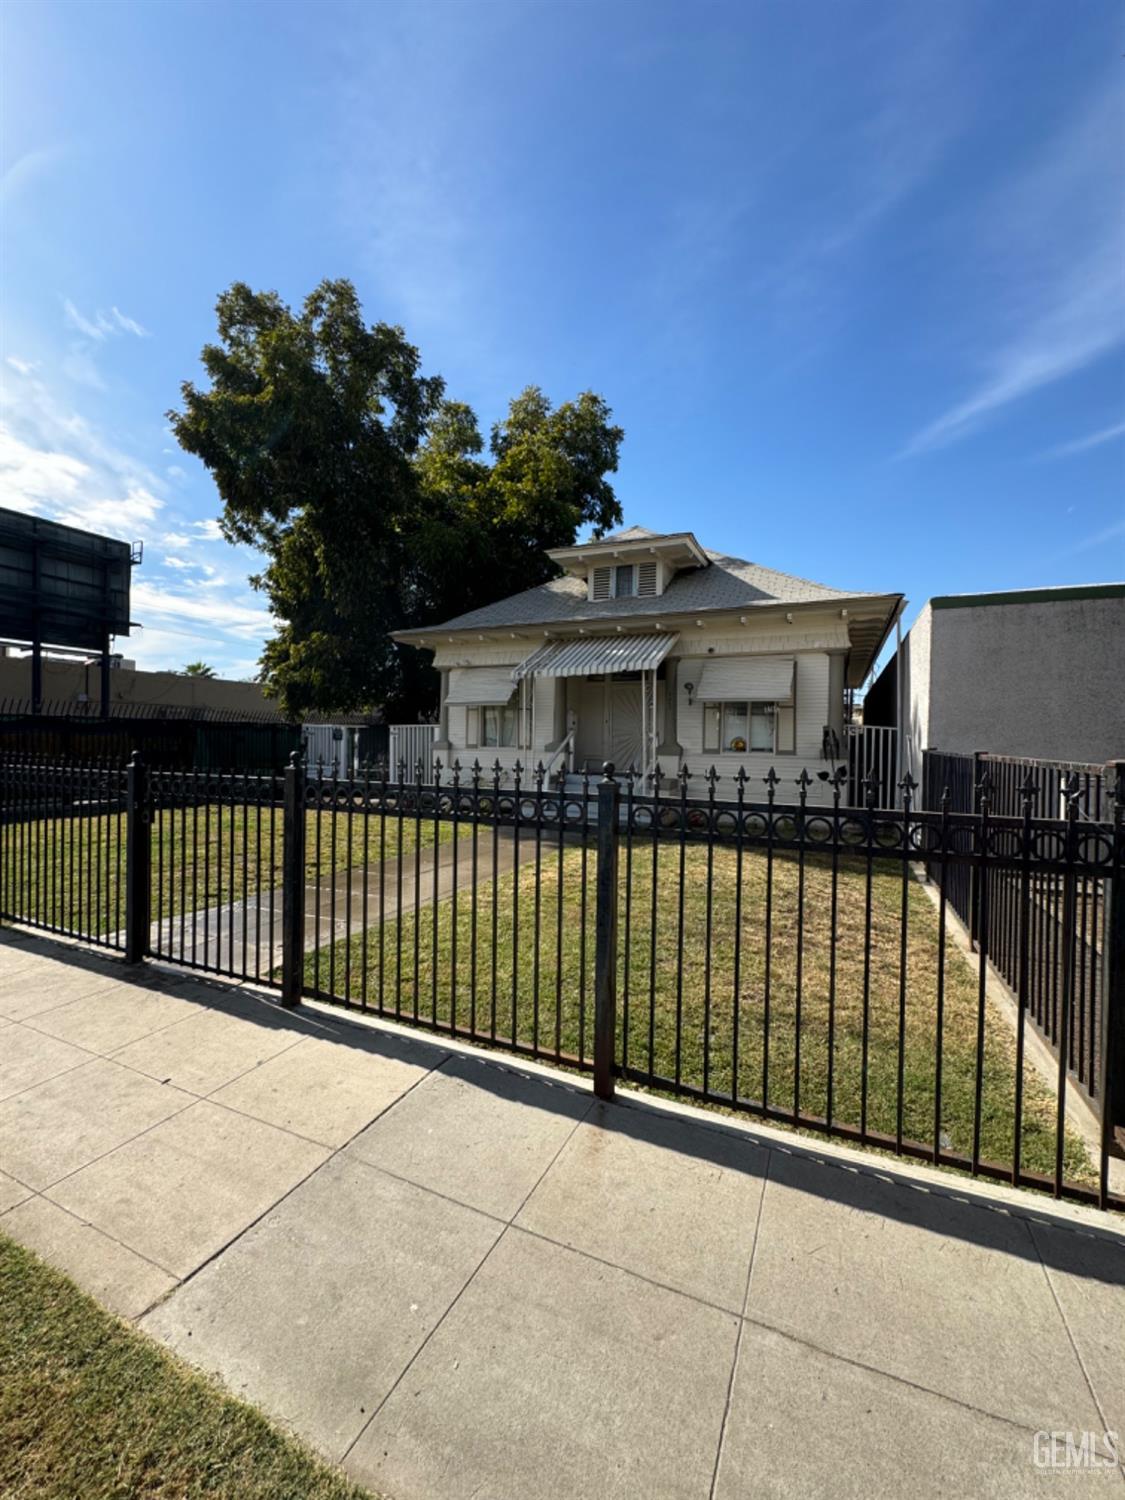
x: 418, y: 636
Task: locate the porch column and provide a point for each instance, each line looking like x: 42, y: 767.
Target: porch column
x: 836, y: 693
x: 669, y: 744
x: 442, y: 741
x: 558, y: 715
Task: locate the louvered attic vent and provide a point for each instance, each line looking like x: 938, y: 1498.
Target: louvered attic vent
x: 646, y: 578
x: 601, y: 585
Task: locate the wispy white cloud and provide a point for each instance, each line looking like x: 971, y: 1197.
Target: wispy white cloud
x: 129, y: 325
x: 193, y: 587
x: 1053, y: 238
x: 102, y: 325
x: 21, y: 366
x: 1101, y: 538
x: 232, y: 616
x: 96, y: 327
x: 1084, y: 444
x: 26, y: 168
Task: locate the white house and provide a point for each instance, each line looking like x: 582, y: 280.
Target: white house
x: 649, y: 650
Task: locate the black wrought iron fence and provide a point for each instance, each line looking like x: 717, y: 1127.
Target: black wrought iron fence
x: 62, y: 848
x: 720, y: 939
x: 1063, y: 947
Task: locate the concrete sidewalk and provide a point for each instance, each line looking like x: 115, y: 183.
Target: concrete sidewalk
x: 462, y: 1277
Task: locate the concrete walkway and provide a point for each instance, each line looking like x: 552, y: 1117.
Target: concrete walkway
x: 460, y: 1277
x: 244, y: 937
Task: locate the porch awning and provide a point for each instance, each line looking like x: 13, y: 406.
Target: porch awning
x: 480, y: 686
x: 763, y: 679
x: 590, y: 655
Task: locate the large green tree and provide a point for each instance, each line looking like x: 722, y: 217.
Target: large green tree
x: 371, y: 496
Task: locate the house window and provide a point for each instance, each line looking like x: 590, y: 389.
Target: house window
x: 743, y: 728
x: 498, y: 725
x: 624, y: 581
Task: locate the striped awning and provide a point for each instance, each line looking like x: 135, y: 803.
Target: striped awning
x: 476, y: 686
x: 767, y: 679
x: 592, y: 655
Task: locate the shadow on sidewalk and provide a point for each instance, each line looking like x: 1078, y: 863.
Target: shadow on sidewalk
x: 858, y: 1181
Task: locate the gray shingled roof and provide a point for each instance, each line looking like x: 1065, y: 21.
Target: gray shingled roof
x: 728, y: 583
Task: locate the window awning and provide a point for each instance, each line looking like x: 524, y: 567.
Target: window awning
x: 591, y: 655
x: 477, y: 686
x: 762, y: 679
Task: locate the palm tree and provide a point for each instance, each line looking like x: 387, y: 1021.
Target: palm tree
x: 198, y: 669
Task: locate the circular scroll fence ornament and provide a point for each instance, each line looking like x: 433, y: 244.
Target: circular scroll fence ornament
x: 755, y: 825
x: 785, y: 827
x: 888, y: 835
x: 641, y: 819
x: 1094, y: 848
x: 1004, y: 843
x: 725, y: 822
x: 1047, y: 844
x: 574, y: 812
x: 925, y: 837
x: 853, y: 832
x: 818, y: 830
x: 529, y: 809
x: 962, y: 839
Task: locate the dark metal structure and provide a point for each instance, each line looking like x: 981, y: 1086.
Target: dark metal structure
x: 60, y: 586
x: 750, y: 949
x: 1058, y: 963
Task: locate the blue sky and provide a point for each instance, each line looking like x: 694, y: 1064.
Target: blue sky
x: 850, y: 275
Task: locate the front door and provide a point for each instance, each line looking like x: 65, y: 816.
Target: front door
x: 609, y: 724
x: 624, y: 736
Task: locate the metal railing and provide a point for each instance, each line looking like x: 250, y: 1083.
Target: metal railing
x: 872, y: 750
x: 1062, y: 948
x: 63, y: 848
x: 728, y: 942
x: 411, y: 743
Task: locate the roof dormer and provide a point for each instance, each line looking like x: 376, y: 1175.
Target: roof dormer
x: 632, y: 564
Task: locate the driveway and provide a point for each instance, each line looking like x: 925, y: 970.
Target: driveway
x: 459, y: 1277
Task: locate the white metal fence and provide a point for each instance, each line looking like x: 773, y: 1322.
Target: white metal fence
x: 412, y: 743
x: 331, y: 747
x: 873, y: 747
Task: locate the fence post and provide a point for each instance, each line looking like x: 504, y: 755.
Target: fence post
x: 605, y: 948
x: 1113, y: 979
x: 974, y: 793
x: 138, y: 861
x: 293, y: 882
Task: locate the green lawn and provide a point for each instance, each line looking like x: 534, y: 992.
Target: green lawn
x: 90, y: 1409
x: 701, y: 1003
x: 71, y: 872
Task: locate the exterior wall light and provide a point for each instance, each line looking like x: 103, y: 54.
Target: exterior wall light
x: 689, y: 689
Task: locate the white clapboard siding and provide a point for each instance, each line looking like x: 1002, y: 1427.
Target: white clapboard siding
x: 812, y: 715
